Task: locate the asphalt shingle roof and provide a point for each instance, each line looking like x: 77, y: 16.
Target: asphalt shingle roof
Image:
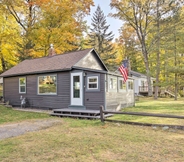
x: 47, y: 64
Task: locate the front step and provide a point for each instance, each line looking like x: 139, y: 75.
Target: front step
x: 80, y: 113
x: 75, y: 115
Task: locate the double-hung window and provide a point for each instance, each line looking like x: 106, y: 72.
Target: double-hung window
x: 92, y: 83
x: 113, y: 83
x: 130, y: 85
x: 122, y: 85
x: 22, y: 85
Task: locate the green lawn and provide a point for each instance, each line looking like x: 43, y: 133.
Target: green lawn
x: 90, y: 140
x: 161, y: 106
x: 10, y: 115
x: 75, y: 140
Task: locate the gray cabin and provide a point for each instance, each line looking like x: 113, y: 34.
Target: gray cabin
x: 77, y: 80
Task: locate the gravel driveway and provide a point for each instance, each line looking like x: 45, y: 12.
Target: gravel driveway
x: 16, y: 129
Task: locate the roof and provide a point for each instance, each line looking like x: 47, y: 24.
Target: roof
x: 48, y: 64
x: 138, y: 74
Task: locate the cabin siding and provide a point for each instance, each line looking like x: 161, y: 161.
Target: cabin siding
x: 61, y: 100
x: 93, y: 99
x: 12, y: 90
x: 91, y: 61
x: 110, y: 99
x: 118, y: 100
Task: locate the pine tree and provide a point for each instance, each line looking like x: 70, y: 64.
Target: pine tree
x: 100, y: 39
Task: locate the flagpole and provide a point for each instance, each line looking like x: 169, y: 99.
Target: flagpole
x: 116, y: 69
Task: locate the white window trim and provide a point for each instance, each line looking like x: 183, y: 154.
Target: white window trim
x: 120, y: 79
x: 38, y: 85
x: 22, y: 85
x: 96, y: 77
x: 132, y: 85
x: 114, y: 84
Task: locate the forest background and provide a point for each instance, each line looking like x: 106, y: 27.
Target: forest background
x: 151, y: 35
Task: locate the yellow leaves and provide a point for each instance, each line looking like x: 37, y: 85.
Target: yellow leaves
x: 59, y: 26
x: 8, y: 38
x: 35, y: 24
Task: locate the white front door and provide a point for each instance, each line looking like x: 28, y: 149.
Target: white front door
x: 77, y: 89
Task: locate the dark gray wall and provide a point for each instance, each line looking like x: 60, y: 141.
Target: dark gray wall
x: 61, y: 100
x: 93, y: 99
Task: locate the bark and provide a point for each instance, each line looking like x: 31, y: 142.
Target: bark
x: 158, y: 52
x: 175, y: 63
x: 3, y: 63
x: 146, y: 62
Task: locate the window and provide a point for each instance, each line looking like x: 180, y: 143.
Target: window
x: 22, y: 85
x: 76, y: 86
x: 47, y: 84
x: 130, y: 85
x: 113, y: 83
x: 122, y: 85
x: 142, y: 83
x: 92, y: 82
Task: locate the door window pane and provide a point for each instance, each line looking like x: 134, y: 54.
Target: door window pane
x: 76, y: 86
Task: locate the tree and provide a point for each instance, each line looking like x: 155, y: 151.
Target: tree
x: 8, y: 37
x: 44, y: 22
x: 130, y: 47
x: 62, y: 25
x: 144, y: 16
x: 100, y: 39
x: 137, y: 15
x: 174, y: 57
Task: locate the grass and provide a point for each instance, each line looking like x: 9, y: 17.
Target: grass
x: 10, y: 115
x: 90, y: 140
x: 161, y: 106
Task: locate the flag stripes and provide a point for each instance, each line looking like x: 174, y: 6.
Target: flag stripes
x: 124, y: 72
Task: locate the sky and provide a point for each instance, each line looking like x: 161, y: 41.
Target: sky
x: 115, y: 24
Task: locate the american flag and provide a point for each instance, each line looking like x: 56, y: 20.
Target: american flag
x: 124, y: 70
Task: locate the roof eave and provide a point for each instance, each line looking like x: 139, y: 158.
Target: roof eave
x: 88, y: 69
x: 36, y: 72
x: 100, y: 59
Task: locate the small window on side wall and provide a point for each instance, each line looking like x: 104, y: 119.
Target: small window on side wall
x: 92, y: 83
x: 113, y: 83
x: 130, y: 85
x: 122, y: 85
x: 22, y: 85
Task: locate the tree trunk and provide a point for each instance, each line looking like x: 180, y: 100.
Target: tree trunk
x: 158, y: 53
x: 3, y: 63
x: 145, y: 54
x: 175, y: 63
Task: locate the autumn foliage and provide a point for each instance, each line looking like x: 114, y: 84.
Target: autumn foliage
x: 32, y: 25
